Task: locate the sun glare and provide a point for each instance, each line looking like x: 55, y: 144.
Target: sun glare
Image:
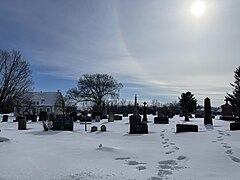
x: 198, y: 8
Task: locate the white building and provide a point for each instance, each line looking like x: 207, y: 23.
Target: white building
x: 35, y: 102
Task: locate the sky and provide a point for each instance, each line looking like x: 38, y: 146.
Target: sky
x: 156, y: 48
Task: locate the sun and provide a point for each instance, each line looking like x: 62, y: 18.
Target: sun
x: 198, y: 8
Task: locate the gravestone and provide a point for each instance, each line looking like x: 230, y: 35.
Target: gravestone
x: 97, y: 118
x: 63, y: 123
x: 234, y: 126
x: 84, y: 118
x: 74, y: 116
x: 94, y: 114
x: 94, y: 128
x: 103, y: 128
x: 125, y: 114
x: 42, y: 116
x: 31, y: 117
x: 22, y: 123
x: 134, y: 119
x: 139, y: 128
x: 161, y: 119
x: 5, y: 118
x: 136, y: 125
x: 170, y: 115
x: 117, y: 117
x: 199, y: 114
x: 227, y: 112
x: 144, y: 112
x: 207, y: 112
x: 111, y: 117
x: 186, y: 128
x: 104, y: 112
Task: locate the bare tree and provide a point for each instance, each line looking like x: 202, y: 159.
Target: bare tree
x: 95, y: 88
x: 15, y: 79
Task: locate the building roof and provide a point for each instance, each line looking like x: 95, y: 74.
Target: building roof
x: 46, y: 98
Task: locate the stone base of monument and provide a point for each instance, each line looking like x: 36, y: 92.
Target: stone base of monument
x: 234, y: 126
x: 227, y: 118
x: 139, y: 128
x: 161, y: 120
x: 134, y: 119
x: 186, y: 128
x: 117, y: 117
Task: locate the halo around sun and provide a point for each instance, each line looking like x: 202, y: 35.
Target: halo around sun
x: 198, y: 8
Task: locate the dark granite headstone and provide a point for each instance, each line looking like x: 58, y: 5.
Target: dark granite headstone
x: 43, y: 116
x: 234, y: 126
x: 134, y: 119
x: 170, y: 115
x: 97, y: 118
x: 111, y: 117
x: 125, y: 114
x: 139, y: 128
x: 22, y: 123
x: 74, y: 116
x: 117, y: 117
x: 161, y: 120
x: 63, y: 123
x: 207, y: 112
x: 186, y: 128
x: 94, y: 114
x: 84, y: 118
x: 5, y: 118
x: 94, y: 128
x: 227, y: 112
x: 103, y: 128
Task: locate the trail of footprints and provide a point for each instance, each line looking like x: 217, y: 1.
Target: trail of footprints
x: 226, y: 146
x: 167, y: 144
x: 165, y: 167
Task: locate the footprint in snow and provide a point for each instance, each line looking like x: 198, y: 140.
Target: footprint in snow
x: 141, y: 168
x: 169, y: 152
x: 235, y: 159
x: 227, y: 147
x: 228, y: 152
x: 122, y: 158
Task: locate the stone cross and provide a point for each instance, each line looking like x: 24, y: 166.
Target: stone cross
x: 144, y: 112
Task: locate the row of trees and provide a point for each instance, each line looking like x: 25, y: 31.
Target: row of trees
x: 16, y: 82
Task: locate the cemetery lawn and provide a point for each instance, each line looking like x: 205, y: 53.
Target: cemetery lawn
x: 33, y: 154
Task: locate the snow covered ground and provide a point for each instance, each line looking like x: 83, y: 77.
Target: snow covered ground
x: 212, y: 153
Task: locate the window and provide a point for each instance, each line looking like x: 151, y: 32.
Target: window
x: 37, y: 103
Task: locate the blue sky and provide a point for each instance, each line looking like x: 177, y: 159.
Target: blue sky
x: 156, y: 48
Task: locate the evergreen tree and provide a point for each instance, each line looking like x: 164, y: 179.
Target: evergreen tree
x: 232, y: 98
x: 188, y: 104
